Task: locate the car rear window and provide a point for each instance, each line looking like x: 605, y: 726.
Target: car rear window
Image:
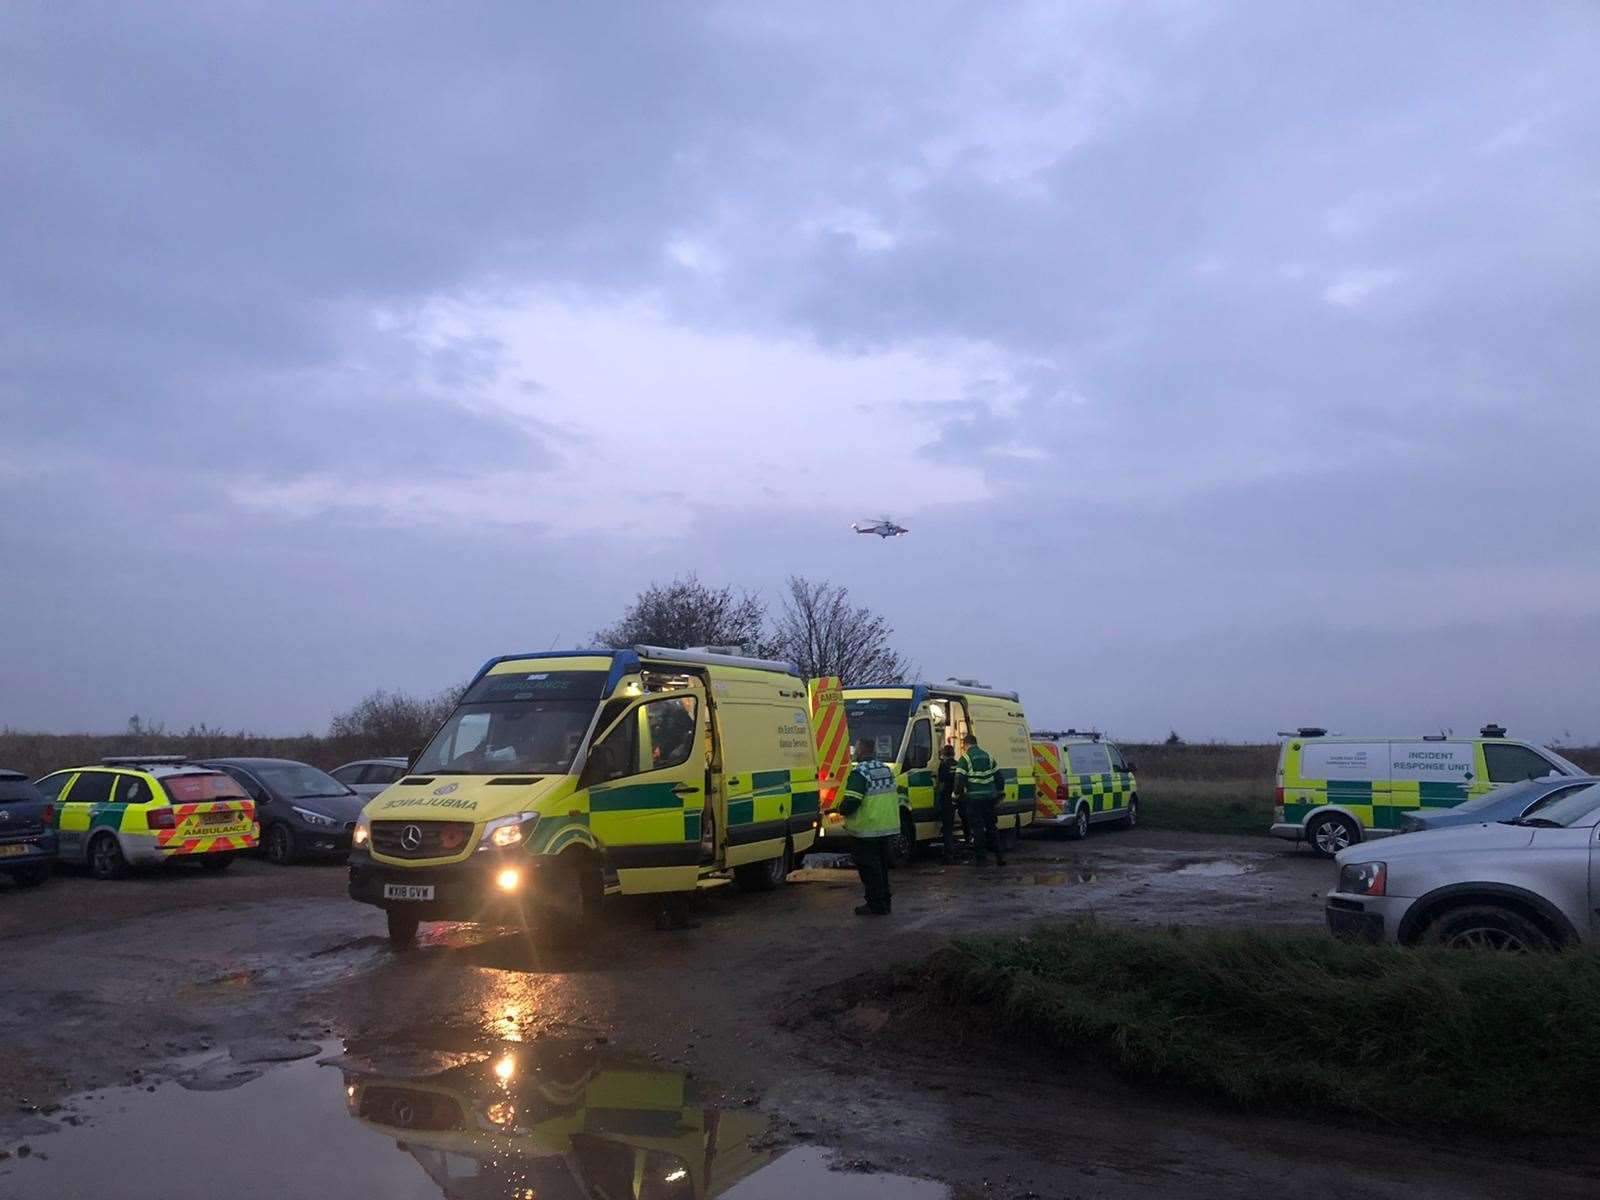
x: 196, y: 789
x: 18, y: 789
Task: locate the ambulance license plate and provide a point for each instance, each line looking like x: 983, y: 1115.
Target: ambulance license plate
x: 408, y: 891
x: 14, y: 851
x: 222, y: 818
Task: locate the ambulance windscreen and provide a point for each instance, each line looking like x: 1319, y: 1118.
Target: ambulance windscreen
x: 884, y: 721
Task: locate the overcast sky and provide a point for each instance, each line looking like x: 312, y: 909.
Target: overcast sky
x: 1234, y: 365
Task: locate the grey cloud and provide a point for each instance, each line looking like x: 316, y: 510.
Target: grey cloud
x: 1142, y: 212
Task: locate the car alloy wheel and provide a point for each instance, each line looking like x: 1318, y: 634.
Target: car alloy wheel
x: 1080, y: 828
x: 1487, y: 939
x: 1331, y: 835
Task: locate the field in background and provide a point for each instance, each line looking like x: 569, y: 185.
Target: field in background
x: 1216, y: 787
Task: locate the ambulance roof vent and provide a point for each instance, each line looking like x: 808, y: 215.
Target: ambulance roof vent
x: 1492, y: 731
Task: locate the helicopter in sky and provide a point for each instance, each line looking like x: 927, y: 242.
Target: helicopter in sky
x: 883, y: 527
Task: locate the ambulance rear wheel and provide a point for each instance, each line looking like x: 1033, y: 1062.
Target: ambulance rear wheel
x: 105, y: 857
x: 766, y: 875
x: 402, y: 929
x: 1330, y: 834
x: 1080, y: 823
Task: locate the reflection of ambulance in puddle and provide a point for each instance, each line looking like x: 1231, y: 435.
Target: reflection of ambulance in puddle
x: 555, y: 1121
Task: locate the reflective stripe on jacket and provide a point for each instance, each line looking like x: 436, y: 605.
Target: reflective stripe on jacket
x: 873, y: 785
x: 978, y: 771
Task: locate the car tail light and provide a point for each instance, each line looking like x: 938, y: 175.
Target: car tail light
x: 1280, y: 798
x: 827, y: 794
x: 160, y: 818
x: 47, y: 816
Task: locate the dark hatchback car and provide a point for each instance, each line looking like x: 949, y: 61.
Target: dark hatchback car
x: 304, y: 811
x: 27, y: 831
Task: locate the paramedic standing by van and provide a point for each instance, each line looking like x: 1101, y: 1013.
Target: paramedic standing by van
x: 977, y: 778
x: 944, y: 794
x: 871, y: 811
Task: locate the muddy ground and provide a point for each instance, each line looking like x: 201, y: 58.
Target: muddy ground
x: 187, y: 1000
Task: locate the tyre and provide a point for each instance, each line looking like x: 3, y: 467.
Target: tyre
x: 105, y: 857
x: 766, y: 875
x: 581, y: 890
x: 31, y: 876
x: 1132, y: 817
x: 1488, y: 927
x: 1330, y: 834
x: 903, y: 846
x: 402, y: 929
x: 1080, y: 823
x: 281, y: 848
x: 216, y: 862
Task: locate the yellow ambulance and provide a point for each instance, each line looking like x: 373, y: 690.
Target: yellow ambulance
x: 1334, y: 791
x: 1082, y: 780
x: 564, y: 777
x: 907, y: 724
x: 554, y: 1119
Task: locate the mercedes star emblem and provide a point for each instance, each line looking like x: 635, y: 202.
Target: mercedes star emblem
x: 411, y: 837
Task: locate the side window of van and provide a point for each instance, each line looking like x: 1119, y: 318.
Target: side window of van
x: 93, y: 787
x: 671, y: 724
x: 1512, y: 764
x: 1117, y: 763
x: 1089, y: 759
x: 921, y: 750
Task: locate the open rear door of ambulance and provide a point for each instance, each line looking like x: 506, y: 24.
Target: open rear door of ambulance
x: 832, y: 736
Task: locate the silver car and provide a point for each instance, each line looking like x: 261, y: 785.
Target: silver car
x: 369, y: 776
x: 1531, y: 883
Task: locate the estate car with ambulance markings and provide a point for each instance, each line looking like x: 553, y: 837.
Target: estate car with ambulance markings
x: 1081, y: 780
x: 1335, y: 791
x: 145, y: 811
x: 564, y: 777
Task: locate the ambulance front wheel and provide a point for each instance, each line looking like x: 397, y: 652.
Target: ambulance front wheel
x: 1132, y: 818
x: 402, y: 929
x: 903, y: 845
x: 1330, y: 834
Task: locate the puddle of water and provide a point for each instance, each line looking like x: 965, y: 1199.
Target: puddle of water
x: 553, y: 1119
x: 1212, y: 870
x: 807, y: 1173
x: 1060, y: 878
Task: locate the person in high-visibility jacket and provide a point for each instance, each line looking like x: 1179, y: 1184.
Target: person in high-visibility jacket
x: 978, y: 779
x: 871, y: 810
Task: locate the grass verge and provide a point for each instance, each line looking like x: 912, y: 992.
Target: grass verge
x: 1497, y: 1042
x: 1206, y: 805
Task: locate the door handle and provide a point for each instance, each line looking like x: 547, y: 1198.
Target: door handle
x: 685, y: 789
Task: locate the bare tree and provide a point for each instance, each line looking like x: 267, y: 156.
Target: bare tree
x: 396, y: 722
x: 822, y: 633
x: 687, y: 612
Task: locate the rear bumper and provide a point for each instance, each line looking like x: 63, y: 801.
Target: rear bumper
x: 465, y: 891
x: 27, y: 850
x: 143, y: 850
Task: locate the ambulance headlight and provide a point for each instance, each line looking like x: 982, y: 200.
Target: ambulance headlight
x: 363, y: 833
x: 504, y: 832
x: 1364, y: 879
